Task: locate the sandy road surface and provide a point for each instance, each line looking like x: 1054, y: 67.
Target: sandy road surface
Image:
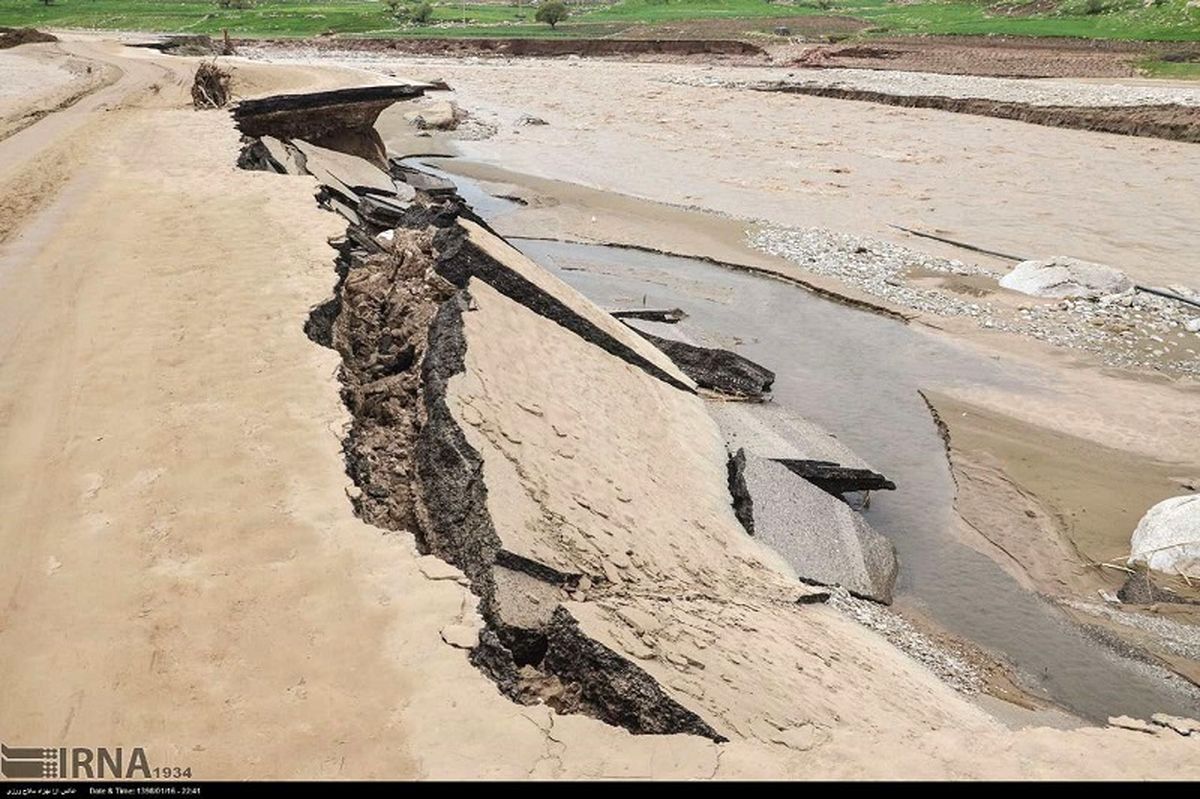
x: 152, y: 593
x: 182, y: 570
x: 23, y: 77
x: 36, y: 161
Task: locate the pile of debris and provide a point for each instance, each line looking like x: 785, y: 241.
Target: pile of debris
x: 414, y: 260
x: 211, y: 86
x: 12, y: 37
x: 191, y: 45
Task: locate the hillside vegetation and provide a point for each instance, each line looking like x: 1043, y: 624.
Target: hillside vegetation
x: 1164, y: 20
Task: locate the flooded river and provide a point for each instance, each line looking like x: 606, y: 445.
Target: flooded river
x: 858, y: 374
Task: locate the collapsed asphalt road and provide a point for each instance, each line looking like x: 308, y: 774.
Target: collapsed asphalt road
x: 413, y: 271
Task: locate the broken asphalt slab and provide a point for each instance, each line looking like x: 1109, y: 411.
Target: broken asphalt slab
x: 467, y: 250
x: 824, y: 540
x: 538, y: 482
x: 336, y: 169
x: 343, y: 119
x: 808, y: 450
x: 776, y: 432
x: 835, y: 479
x: 666, y: 316
x: 433, y: 185
x: 716, y: 369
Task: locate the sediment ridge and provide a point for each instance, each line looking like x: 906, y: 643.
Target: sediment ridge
x: 1164, y: 121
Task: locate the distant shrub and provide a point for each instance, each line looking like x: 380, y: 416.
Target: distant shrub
x: 552, y: 12
x: 422, y: 14
x: 1092, y: 8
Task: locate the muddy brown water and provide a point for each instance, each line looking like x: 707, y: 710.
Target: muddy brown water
x: 858, y: 375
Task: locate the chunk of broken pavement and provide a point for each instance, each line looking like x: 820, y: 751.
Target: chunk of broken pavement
x: 715, y: 369
x: 468, y: 250
x: 435, y: 568
x: 1130, y: 723
x: 342, y: 118
x: 667, y: 316
x: 835, y: 479
x: 823, y: 539
x: 356, y: 173
x: 420, y: 180
x: 284, y: 154
x: 1181, y: 725
x: 461, y: 636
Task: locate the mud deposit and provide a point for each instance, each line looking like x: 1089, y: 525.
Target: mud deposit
x: 524, y: 47
x: 998, y: 56
x: 858, y: 374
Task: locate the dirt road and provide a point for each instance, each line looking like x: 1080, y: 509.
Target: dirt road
x: 164, y: 570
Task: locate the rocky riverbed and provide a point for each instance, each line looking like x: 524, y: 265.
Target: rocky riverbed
x: 1136, y: 330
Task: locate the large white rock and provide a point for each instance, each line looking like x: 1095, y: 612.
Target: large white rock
x: 1063, y: 277
x: 1167, y: 539
x: 437, y: 116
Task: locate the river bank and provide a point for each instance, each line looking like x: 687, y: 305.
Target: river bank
x: 533, y: 207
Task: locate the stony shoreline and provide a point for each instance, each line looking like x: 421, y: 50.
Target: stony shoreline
x: 1141, y: 331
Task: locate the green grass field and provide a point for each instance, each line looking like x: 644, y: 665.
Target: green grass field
x: 1171, y: 69
x: 1169, y: 20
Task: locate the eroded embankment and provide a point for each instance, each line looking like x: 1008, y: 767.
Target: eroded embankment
x: 572, y: 473
x: 563, y: 610
x: 524, y: 47
x: 1165, y: 121
x: 457, y: 349
x: 399, y: 326
x: 570, y: 470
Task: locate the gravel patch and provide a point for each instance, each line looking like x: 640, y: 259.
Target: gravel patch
x: 1178, y: 639
x: 1135, y: 331
x: 956, y: 671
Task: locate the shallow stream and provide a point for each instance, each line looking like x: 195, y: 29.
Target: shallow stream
x: 858, y: 374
